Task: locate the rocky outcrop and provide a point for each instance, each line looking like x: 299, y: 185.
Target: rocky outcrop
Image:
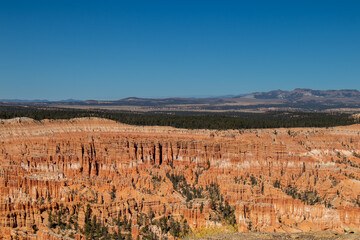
x: 283, y: 180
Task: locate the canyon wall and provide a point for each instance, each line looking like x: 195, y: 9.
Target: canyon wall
x: 275, y: 180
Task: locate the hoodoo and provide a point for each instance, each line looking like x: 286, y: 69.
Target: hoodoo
x: 78, y: 177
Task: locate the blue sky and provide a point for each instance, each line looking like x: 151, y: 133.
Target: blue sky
x: 60, y: 49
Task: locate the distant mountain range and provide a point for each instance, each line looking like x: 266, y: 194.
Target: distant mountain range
x: 303, y: 93
x: 278, y: 100
x: 36, y: 100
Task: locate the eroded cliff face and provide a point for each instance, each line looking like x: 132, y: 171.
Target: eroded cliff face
x: 275, y: 180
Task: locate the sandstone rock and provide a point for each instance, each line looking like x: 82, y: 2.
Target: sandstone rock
x: 305, y: 179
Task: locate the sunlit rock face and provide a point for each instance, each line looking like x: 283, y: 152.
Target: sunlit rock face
x: 301, y: 179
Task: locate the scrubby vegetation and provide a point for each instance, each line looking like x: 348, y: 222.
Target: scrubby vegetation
x: 62, y: 219
x: 94, y: 229
x: 171, y: 225
x: 180, y: 184
x: 346, y: 161
x: 308, y: 197
x: 223, y: 212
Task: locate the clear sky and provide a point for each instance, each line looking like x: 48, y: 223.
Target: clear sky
x: 60, y: 49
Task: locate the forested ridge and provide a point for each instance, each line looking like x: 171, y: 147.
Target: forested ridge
x: 190, y: 120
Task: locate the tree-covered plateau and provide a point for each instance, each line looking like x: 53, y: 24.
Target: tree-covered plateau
x: 190, y: 120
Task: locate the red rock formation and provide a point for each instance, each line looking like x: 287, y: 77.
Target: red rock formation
x: 301, y: 179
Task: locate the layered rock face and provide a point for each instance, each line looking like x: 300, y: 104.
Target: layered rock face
x: 278, y: 180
